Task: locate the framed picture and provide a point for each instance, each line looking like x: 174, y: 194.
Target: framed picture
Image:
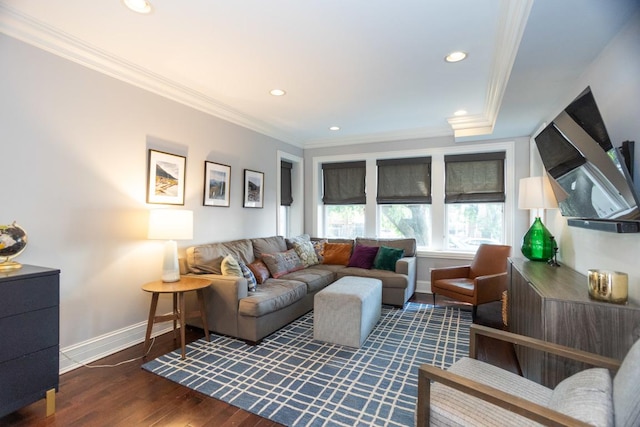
x: 253, y: 189
x: 166, y: 178
x: 216, y: 184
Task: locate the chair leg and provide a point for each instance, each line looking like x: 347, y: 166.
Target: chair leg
x: 434, y: 299
x: 474, y: 313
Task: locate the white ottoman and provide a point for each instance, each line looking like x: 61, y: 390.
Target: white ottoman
x: 346, y: 311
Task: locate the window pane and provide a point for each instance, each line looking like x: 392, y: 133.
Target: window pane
x: 470, y: 224
x: 283, y: 221
x: 344, y: 221
x: 411, y: 221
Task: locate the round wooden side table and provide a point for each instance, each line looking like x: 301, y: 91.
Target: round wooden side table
x: 177, y: 289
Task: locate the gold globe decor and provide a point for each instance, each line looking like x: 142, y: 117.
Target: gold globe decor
x: 13, y: 240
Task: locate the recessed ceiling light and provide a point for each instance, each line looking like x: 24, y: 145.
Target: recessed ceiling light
x: 334, y: 128
x: 455, y: 56
x: 277, y: 92
x: 140, y: 6
x: 460, y: 113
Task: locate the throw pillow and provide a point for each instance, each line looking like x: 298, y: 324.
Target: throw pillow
x: 259, y: 270
x: 230, y: 267
x: 282, y: 263
x: 252, y: 283
x: 387, y: 257
x: 363, y: 256
x: 306, y: 253
x: 212, y: 267
x: 318, y: 246
x: 291, y: 241
x: 336, y: 253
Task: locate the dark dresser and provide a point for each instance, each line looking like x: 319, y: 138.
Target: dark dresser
x: 553, y: 304
x: 29, y: 337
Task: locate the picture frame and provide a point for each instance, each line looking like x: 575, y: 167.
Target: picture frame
x: 217, y: 178
x: 166, y: 174
x: 253, y: 189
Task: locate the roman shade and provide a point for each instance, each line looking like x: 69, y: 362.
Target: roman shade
x: 344, y: 183
x: 474, y: 178
x: 286, y: 197
x: 404, y: 181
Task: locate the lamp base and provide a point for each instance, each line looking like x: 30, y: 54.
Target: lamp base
x: 538, y: 243
x: 170, y: 267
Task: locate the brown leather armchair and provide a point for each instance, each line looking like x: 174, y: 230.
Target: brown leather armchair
x: 482, y: 281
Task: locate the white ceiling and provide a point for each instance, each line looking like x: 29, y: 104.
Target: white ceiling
x: 373, y: 67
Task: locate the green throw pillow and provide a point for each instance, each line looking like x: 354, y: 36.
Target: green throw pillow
x: 387, y: 257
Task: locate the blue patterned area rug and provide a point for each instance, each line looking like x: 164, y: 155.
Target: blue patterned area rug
x: 296, y: 381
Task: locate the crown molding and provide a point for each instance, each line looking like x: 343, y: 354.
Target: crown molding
x: 37, y: 33
x: 513, y: 20
x: 399, y: 135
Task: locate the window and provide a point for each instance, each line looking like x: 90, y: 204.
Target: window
x: 404, y: 198
x: 474, y: 200
x: 344, y: 198
x: 286, y: 197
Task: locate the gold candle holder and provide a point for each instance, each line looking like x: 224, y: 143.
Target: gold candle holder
x: 609, y: 286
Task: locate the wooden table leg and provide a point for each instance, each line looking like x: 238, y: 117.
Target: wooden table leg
x: 183, y: 314
x: 152, y: 315
x: 203, y: 314
x: 175, y: 316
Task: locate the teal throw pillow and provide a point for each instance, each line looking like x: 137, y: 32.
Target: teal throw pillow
x: 387, y: 257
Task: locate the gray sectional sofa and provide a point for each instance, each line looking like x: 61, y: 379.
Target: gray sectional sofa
x: 234, y: 310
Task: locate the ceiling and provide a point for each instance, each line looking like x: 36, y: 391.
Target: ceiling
x: 375, y: 68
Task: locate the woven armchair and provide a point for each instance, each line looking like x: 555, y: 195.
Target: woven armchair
x: 474, y: 393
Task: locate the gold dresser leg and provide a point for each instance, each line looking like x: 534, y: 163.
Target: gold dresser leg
x: 51, y: 401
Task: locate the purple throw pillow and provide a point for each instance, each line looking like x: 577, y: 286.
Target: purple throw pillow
x: 363, y: 256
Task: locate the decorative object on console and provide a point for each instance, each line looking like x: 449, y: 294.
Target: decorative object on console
x: 170, y: 225
x: 535, y: 193
x: 610, y: 286
x: 13, y: 240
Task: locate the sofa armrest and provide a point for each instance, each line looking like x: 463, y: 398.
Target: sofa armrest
x: 510, y: 402
x: 406, y: 265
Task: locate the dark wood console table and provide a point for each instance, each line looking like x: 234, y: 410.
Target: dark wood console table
x: 29, y: 337
x: 553, y: 304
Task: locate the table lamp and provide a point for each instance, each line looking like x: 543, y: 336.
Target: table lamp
x: 170, y: 225
x: 538, y: 244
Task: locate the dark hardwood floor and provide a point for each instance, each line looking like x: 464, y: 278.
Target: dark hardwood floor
x: 127, y: 395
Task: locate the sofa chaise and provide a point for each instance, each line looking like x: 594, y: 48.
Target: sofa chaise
x: 283, y: 296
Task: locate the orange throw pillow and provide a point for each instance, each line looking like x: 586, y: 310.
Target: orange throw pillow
x: 336, y: 253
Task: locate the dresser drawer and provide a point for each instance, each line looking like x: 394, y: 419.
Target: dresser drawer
x: 20, y: 295
x: 28, y: 332
x: 26, y: 379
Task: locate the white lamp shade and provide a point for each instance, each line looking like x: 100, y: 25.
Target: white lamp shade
x: 170, y: 224
x: 536, y: 193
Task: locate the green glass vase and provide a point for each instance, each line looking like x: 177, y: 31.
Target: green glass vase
x: 538, y: 243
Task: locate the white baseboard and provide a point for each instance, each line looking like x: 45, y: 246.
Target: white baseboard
x: 423, y: 286
x: 88, y: 351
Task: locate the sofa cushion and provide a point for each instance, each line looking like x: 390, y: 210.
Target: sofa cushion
x: 259, y: 270
x: 271, y: 296
x: 281, y: 263
x: 268, y: 245
x: 314, y: 278
x: 230, y: 267
x: 390, y: 279
x: 306, y: 253
x: 337, y: 253
x: 252, y: 283
x: 409, y: 245
x: 586, y: 396
x: 208, y: 258
x: 363, y: 256
x: 387, y: 257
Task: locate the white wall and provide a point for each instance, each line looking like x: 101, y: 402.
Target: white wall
x: 73, y: 173
x: 614, y: 78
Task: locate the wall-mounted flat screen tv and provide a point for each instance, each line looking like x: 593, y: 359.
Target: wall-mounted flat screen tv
x: 588, y: 174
